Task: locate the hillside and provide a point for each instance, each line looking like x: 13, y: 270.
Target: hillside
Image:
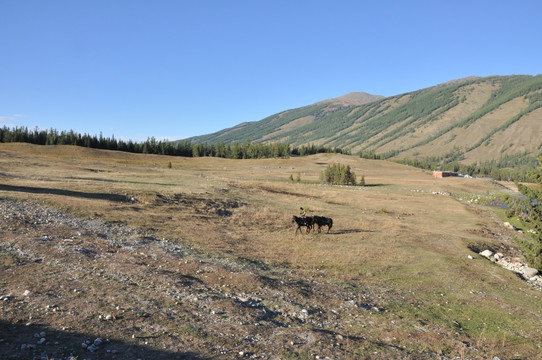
x: 113, y: 255
x: 471, y: 119
x: 282, y: 125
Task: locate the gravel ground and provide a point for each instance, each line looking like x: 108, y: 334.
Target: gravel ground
x: 88, y: 289
x: 75, y: 288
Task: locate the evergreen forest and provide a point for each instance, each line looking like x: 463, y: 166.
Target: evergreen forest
x: 246, y: 150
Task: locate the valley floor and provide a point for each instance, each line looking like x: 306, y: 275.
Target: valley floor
x: 108, y: 255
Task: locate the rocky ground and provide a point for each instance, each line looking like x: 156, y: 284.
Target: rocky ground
x: 522, y: 269
x: 75, y: 288
x: 88, y: 289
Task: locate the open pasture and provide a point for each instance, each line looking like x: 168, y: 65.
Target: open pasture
x: 198, y: 258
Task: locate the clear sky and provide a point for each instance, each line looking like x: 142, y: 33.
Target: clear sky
x: 179, y: 68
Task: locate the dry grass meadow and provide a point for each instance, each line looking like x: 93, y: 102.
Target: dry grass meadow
x: 200, y: 260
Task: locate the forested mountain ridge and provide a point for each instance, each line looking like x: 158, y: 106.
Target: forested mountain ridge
x: 469, y: 120
x: 276, y: 128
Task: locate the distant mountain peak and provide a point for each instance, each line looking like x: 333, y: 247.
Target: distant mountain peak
x: 354, y: 99
x: 464, y: 79
x: 472, y: 119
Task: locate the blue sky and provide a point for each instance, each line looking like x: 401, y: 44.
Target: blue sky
x: 174, y: 69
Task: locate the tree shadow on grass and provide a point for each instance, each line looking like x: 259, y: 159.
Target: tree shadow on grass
x: 19, y: 341
x: 123, y: 181
x: 51, y: 191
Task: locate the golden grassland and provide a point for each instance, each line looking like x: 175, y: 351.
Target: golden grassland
x: 402, y: 241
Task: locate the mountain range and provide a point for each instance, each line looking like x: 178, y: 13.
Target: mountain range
x: 472, y: 119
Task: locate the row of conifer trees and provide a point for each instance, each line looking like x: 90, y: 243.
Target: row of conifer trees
x: 245, y: 150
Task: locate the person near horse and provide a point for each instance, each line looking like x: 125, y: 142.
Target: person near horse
x: 302, y: 212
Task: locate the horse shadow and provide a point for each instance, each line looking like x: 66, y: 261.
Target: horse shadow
x: 349, y: 231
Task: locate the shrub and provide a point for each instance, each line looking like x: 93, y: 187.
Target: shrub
x: 529, y: 210
x: 338, y: 174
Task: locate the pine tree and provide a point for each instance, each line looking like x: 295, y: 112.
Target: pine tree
x: 529, y: 211
x: 338, y: 174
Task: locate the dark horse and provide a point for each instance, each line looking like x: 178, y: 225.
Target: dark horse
x: 321, y: 221
x: 307, y: 221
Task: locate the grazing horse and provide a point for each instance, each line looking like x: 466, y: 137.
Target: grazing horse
x: 321, y: 221
x: 303, y: 221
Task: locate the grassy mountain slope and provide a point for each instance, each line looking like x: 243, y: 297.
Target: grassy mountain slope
x: 477, y: 118
x: 282, y: 126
